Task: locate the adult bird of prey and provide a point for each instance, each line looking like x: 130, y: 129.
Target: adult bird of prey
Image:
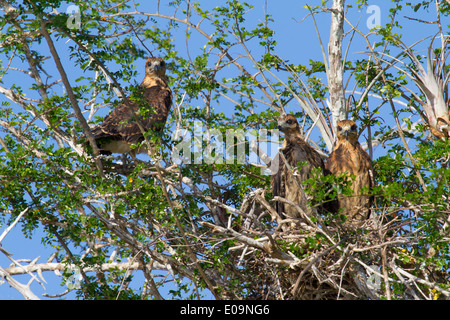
x: 146, y: 109
x: 286, y: 181
x: 349, y: 157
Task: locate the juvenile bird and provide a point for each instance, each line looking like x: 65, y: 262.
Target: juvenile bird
x: 147, y: 108
x: 349, y: 157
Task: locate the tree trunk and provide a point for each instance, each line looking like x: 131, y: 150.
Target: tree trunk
x: 336, y: 71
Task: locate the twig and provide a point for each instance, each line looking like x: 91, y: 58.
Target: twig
x: 427, y: 283
x: 23, y: 289
x: 310, y: 264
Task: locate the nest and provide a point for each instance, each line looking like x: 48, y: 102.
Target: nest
x: 306, y: 258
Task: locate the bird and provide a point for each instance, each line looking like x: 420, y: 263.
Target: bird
x: 146, y: 109
x: 286, y: 182
x: 350, y: 158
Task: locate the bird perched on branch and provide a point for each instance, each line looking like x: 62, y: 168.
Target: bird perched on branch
x: 286, y: 181
x: 349, y: 157
x: 146, y: 109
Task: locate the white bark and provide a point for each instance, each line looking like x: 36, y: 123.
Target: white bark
x: 335, y: 71
x: 55, y: 266
x: 23, y: 289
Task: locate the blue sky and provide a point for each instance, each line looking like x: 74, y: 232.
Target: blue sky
x: 297, y: 42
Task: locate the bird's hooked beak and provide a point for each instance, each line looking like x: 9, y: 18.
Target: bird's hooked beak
x: 281, y: 124
x: 157, y: 67
x: 346, y: 133
x: 282, y: 127
x: 279, y: 127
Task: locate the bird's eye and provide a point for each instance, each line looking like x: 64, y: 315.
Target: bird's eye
x: 339, y: 128
x: 162, y: 64
x: 353, y: 127
x: 289, y: 121
x: 149, y: 64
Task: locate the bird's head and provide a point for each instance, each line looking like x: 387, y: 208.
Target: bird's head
x: 288, y: 124
x: 155, y: 66
x: 347, y: 130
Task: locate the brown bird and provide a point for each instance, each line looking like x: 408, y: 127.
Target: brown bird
x: 349, y: 157
x: 286, y: 181
x: 146, y: 109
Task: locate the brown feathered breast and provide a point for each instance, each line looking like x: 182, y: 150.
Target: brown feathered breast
x: 348, y: 156
x: 146, y: 109
x: 286, y: 181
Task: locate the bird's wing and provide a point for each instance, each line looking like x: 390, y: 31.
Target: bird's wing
x: 148, y: 106
x: 277, y: 182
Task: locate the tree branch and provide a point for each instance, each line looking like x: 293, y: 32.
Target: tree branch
x: 72, y: 97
